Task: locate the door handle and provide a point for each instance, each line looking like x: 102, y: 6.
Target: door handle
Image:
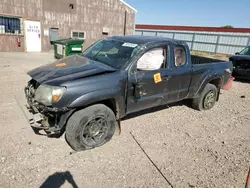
x: 166, y: 77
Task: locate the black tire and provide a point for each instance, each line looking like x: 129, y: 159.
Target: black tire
x: 201, y: 102
x: 85, y: 126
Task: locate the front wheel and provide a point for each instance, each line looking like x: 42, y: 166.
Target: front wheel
x: 207, y: 99
x: 90, y: 127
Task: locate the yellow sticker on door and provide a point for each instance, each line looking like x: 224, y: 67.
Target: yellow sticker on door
x: 157, y: 78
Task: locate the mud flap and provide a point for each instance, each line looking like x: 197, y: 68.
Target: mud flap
x: 118, y: 127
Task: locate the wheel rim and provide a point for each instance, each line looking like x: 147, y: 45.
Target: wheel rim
x: 209, y: 100
x: 95, y: 131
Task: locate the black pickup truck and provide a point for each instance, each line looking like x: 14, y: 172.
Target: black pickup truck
x: 241, y: 64
x: 86, y: 95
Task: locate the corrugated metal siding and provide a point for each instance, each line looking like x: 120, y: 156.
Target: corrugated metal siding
x: 204, y: 47
x: 214, y: 42
x: 186, y: 37
x: 168, y: 35
x: 138, y: 33
x: 148, y: 33
x: 233, y: 40
x: 228, y: 49
x: 205, y: 38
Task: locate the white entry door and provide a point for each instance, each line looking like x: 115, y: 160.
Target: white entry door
x: 33, y: 36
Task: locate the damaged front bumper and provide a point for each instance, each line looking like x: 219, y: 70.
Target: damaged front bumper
x: 49, y: 119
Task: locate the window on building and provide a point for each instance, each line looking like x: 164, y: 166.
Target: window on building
x: 10, y: 25
x: 78, y: 34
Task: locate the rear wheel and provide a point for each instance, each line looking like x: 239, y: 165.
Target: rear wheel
x: 90, y: 127
x: 207, y: 98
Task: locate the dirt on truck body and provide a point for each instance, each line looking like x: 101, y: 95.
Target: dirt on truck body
x: 87, y: 94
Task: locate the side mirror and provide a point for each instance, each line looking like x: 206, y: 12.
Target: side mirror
x: 137, y: 91
x: 237, y: 53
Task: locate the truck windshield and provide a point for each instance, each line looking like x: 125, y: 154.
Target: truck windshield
x: 111, y: 52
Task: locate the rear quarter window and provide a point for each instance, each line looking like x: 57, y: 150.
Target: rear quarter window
x: 180, y: 56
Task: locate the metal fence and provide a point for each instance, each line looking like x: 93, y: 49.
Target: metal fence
x: 213, y: 42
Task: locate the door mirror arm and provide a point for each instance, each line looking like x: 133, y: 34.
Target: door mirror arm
x: 138, y: 90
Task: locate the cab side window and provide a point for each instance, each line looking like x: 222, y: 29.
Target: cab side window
x: 180, y: 56
x: 152, y: 60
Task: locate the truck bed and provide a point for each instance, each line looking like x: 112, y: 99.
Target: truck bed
x: 203, y: 67
x: 196, y: 60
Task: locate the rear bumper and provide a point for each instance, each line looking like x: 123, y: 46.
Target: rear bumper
x: 51, y: 120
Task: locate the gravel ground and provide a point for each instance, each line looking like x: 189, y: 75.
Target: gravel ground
x: 189, y: 148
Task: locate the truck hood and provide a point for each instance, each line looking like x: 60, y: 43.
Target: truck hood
x: 68, y: 68
x: 239, y: 57
x: 241, y: 61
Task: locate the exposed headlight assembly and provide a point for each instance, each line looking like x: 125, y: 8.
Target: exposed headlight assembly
x: 48, y: 95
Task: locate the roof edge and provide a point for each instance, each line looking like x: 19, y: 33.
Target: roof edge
x: 192, y: 28
x: 128, y: 5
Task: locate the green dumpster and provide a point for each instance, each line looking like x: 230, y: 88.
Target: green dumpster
x: 67, y: 47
